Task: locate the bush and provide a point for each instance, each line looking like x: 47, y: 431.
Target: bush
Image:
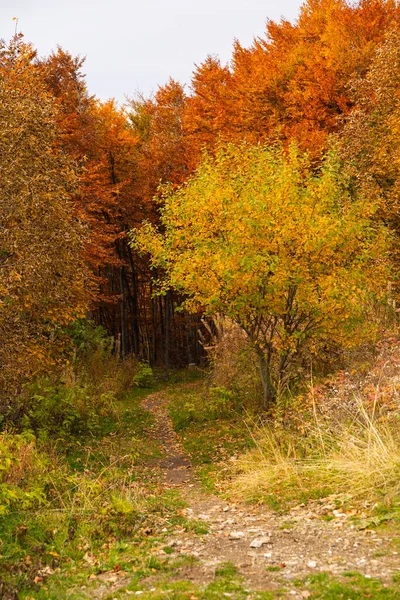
x: 21, y: 473
x: 144, y: 376
x: 91, y: 383
x: 234, y: 364
x: 87, y: 337
x: 57, y: 410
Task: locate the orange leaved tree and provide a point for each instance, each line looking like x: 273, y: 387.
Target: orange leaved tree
x: 371, y: 136
x: 42, y: 275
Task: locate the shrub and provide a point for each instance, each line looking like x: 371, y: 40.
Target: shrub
x: 234, y: 364
x: 57, y: 410
x: 22, y: 466
x: 91, y: 383
x: 144, y: 376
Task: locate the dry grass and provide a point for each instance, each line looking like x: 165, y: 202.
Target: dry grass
x: 359, y: 456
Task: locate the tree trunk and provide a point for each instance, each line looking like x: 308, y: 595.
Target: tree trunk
x: 167, y: 330
x: 122, y: 315
x: 265, y: 374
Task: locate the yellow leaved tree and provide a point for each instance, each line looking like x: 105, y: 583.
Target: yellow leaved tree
x: 287, y: 253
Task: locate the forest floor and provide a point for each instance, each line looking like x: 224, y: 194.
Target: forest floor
x: 244, y: 551
x: 197, y: 542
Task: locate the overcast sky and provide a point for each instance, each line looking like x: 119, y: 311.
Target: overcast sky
x: 136, y: 45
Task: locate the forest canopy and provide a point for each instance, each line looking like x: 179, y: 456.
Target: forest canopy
x: 79, y: 174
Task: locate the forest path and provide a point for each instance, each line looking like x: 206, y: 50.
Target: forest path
x: 269, y: 550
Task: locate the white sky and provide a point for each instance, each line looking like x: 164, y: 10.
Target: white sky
x: 133, y: 45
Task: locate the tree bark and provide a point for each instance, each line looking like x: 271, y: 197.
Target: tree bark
x: 266, y: 381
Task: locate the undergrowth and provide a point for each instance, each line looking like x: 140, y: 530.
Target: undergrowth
x: 81, y: 505
x: 63, y: 509
x: 313, y: 446
x: 77, y: 401
x: 71, y: 470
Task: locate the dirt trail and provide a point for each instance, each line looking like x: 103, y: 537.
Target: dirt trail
x: 269, y: 550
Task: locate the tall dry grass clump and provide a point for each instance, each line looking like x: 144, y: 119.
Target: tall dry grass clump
x: 357, y: 456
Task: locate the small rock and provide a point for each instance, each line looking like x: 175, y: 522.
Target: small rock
x: 339, y: 515
x: 236, y: 535
x: 203, y: 517
x: 312, y: 564
x: 259, y: 542
x: 228, y: 522
x: 288, y: 575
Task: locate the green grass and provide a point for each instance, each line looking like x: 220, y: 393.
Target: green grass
x: 210, y: 427
x: 226, y: 583
x: 227, y: 570
x: 353, y: 586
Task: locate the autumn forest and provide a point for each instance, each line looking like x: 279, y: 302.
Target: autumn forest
x: 231, y: 247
